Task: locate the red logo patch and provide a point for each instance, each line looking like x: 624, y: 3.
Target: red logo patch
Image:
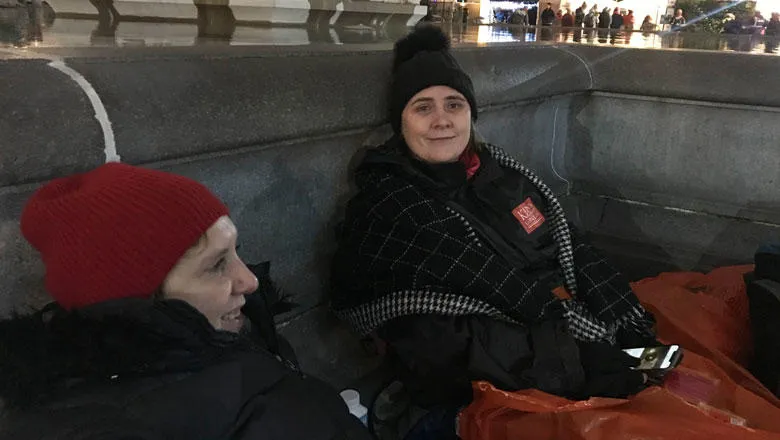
x: 528, y: 216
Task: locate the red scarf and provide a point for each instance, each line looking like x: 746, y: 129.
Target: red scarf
x: 470, y: 159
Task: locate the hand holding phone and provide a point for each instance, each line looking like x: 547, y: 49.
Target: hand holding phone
x: 656, y: 359
x: 609, y: 371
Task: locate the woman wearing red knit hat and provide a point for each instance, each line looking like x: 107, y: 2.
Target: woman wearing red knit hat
x: 145, y: 340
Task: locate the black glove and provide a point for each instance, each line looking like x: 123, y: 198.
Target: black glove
x: 608, y: 371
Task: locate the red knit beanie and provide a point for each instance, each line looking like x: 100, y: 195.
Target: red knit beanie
x: 116, y: 231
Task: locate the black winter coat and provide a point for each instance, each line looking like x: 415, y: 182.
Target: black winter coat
x: 148, y: 370
x: 437, y: 357
x: 548, y: 17
x: 617, y: 21
x: 605, y: 20
x: 579, y: 17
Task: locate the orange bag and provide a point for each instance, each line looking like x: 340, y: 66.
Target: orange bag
x: 710, y: 396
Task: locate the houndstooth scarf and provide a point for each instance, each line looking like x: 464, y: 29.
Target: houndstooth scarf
x: 402, y: 252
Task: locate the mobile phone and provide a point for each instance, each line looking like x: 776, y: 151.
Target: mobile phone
x: 661, y: 358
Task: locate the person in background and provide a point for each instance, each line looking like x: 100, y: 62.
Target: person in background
x: 579, y: 15
x: 772, y: 42
x: 548, y: 15
x: 678, y: 21
x: 756, y: 24
x: 592, y: 17
x: 628, y: 21
x: 773, y: 25
x: 617, y: 20
x: 731, y: 25
x: 605, y: 19
x: 519, y: 17
x: 647, y: 25
x: 567, y: 20
x: 148, y: 338
x: 758, y: 20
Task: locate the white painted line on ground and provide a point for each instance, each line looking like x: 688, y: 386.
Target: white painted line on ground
x: 97, y: 105
x: 101, y: 114
x: 584, y: 63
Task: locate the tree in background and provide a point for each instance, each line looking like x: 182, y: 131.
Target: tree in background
x: 713, y: 22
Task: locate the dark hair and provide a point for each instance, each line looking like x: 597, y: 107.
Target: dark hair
x: 474, y: 144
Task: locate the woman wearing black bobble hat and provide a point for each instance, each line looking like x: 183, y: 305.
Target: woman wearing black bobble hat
x: 462, y: 261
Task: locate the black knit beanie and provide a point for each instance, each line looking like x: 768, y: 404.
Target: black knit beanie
x: 422, y: 60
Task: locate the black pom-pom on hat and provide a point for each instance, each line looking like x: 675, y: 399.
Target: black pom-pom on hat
x: 424, y: 38
x: 423, y: 59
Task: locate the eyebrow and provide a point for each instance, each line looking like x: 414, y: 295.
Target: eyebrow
x: 448, y: 98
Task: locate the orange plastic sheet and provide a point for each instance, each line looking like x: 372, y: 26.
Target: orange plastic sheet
x: 710, y: 396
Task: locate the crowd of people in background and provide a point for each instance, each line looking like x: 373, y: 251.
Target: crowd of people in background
x: 589, y: 18
x: 753, y: 25
x: 623, y: 19
x: 747, y: 32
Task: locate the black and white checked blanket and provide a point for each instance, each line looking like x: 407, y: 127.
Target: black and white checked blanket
x: 403, y: 252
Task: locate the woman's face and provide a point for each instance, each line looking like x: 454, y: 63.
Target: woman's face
x: 212, y: 278
x: 436, y: 124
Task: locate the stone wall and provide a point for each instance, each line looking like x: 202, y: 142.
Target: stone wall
x: 667, y: 163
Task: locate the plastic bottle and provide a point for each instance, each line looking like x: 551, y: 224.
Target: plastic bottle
x: 352, y: 399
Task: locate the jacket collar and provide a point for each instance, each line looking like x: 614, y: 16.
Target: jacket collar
x: 44, y: 353
x: 445, y: 177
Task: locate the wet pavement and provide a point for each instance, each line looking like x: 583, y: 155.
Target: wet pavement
x: 652, y: 40
x: 39, y: 25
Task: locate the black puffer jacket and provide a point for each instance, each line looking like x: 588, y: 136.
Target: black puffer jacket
x: 142, y: 369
